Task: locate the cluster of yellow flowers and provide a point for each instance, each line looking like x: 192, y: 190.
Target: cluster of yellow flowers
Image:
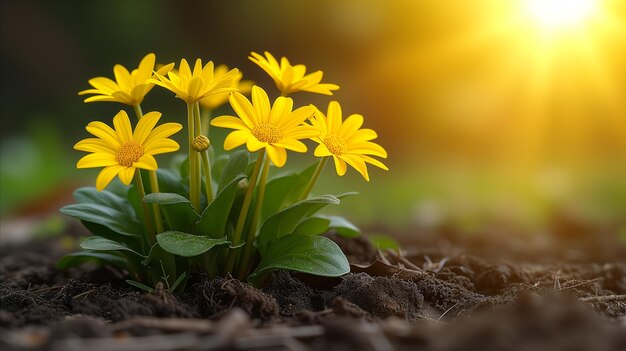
x: 260, y: 125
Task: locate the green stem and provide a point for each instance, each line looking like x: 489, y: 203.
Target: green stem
x: 194, y: 192
x: 151, y: 238
x: 206, y: 169
x: 314, y: 178
x: 247, y: 250
x: 241, y: 221
x: 154, y: 182
x: 206, y: 122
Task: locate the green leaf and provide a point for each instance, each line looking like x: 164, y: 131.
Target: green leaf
x: 98, y: 243
x: 188, y: 245
x: 342, y: 226
x: 104, y: 197
x: 214, y: 219
x: 237, y: 164
x: 383, y: 242
x: 117, y: 221
x: 77, y: 258
x: 165, y: 198
x: 312, y: 226
x: 316, y: 255
x: 140, y: 286
x: 178, y: 281
x: 285, y: 221
x: 285, y: 189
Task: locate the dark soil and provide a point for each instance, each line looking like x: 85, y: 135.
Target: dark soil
x: 432, y: 299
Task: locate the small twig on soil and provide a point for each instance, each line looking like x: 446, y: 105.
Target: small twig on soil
x: 586, y: 282
x: 84, y: 293
x: 57, y: 286
x: 606, y: 298
x: 448, y: 310
x: 167, y: 324
x: 399, y: 257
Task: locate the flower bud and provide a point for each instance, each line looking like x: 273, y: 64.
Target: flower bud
x: 201, y: 143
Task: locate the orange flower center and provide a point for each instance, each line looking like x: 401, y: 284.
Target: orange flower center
x: 267, y: 133
x: 335, y: 144
x: 129, y: 153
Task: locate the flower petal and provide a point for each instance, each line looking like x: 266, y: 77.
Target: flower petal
x: 106, y: 176
x: 374, y: 162
x: 105, y: 84
x: 146, y: 162
x: 253, y: 144
x: 322, y: 151
x: 278, y: 155
x: 162, y: 131
x: 367, y: 148
x: 122, y: 76
x: 235, y: 139
x: 230, y: 122
x: 161, y: 146
x: 94, y: 145
x: 145, y: 126
x: 357, y: 163
x: 244, y: 109
x: 334, y: 117
x: 350, y: 126
x: 122, y: 126
x: 144, y: 71
x: 97, y: 159
x: 340, y: 166
x: 281, y: 111
x: 126, y: 175
x: 261, y: 103
x: 291, y: 144
x: 105, y: 133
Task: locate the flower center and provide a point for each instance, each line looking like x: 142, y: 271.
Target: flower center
x: 129, y: 153
x: 335, y: 144
x: 267, y: 133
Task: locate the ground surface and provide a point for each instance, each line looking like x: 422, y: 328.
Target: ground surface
x: 423, y: 299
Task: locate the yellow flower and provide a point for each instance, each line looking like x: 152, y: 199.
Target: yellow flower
x: 290, y: 79
x: 214, y: 101
x: 120, y: 151
x: 128, y: 88
x: 346, y: 142
x: 193, y: 86
x: 260, y: 125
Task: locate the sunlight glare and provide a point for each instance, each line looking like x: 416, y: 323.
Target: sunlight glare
x: 560, y: 14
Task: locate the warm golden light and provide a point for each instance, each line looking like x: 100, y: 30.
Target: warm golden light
x: 558, y: 14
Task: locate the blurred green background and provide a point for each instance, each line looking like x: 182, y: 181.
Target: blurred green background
x: 490, y: 121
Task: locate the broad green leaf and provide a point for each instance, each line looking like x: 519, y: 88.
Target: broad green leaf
x: 78, y: 258
x: 98, y: 243
x: 383, y: 242
x: 170, y: 182
x: 311, y: 254
x: 165, y: 198
x: 342, y: 226
x: 285, y: 189
x: 213, y: 220
x: 117, y: 221
x: 188, y: 245
x: 285, y: 221
x: 237, y: 164
x: 104, y: 197
x: 312, y: 226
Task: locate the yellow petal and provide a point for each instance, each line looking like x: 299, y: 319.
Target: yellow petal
x: 334, y: 117
x: 230, y: 122
x: 340, y: 166
x: 261, y: 102
x: 163, y: 131
x: 244, y: 109
x: 122, y: 76
x: 165, y: 69
x: 145, y: 126
x: 367, y: 148
x: 101, y: 98
x: 104, y: 84
x: 122, y: 126
x: 184, y: 72
x: 291, y: 144
x: 235, y: 139
x: 106, y: 175
x: 104, y: 132
x: 94, y: 145
x: 350, y: 126
x: 322, y: 151
x: 146, y: 162
x: 303, y: 131
x: 357, y: 163
x: 374, y: 162
x: 145, y: 67
x: 362, y: 135
x: 281, y: 110
x: 194, y: 89
x: 278, y: 155
x: 253, y: 144
x: 97, y: 159
x: 207, y: 72
x: 126, y: 175
x: 161, y: 146
x: 123, y: 97
x: 197, y: 68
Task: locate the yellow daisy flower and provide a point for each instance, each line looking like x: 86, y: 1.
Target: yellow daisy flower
x: 346, y: 142
x: 260, y: 125
x: 128, y: 88
x: 120, y: 151
x: 290, y: 79
x: 214, y: 101
x: 193, y: 86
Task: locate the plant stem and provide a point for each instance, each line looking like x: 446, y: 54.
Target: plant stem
x: 206, y: 167
x: 247, y: 249
x: 154, y: 182
x: 146, y: 212
x: 314, y: 178
x: 206, y: 122
x: 194, y: 192
x: 241, y: 221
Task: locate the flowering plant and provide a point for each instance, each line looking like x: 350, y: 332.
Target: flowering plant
x: 215, y: 215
